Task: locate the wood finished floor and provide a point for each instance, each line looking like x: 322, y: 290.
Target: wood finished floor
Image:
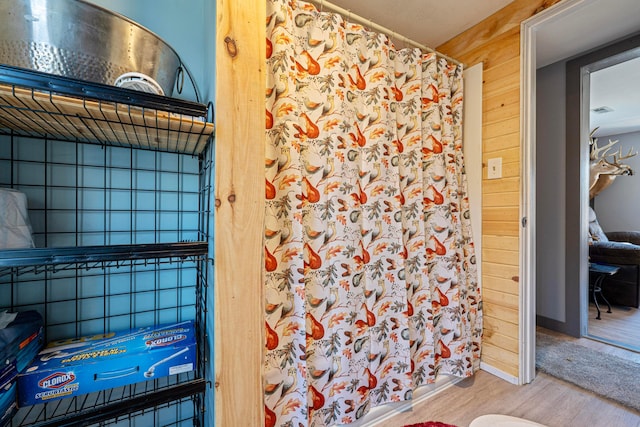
x: 546, y: 400
x: 621, y: 326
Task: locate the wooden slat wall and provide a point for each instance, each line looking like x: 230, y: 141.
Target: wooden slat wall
x: 239, y: 213
x: 496, y: 43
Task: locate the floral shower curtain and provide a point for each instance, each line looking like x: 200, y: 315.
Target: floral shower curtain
x: 371, y: 287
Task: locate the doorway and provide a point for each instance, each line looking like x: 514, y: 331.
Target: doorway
x: 569, y: 21
x: 605, y: 76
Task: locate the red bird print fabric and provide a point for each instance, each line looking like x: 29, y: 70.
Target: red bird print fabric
x: 370, y: 275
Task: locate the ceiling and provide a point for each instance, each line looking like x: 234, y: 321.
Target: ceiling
x: 591, y: 25
x: 429, y: 22
x: 616, y: 91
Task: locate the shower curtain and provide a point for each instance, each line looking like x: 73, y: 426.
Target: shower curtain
x: 371, y: 285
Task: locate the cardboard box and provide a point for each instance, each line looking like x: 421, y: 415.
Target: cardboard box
x: 84, y: 365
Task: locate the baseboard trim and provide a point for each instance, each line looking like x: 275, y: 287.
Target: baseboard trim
x: 378, y: 416
x: 554, y: 325
x: 499, y: 373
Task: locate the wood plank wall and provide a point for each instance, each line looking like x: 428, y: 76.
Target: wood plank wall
x: 239, y: 213
x: 496, y: 43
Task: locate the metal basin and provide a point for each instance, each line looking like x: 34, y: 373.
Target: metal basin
x: 76, y: 39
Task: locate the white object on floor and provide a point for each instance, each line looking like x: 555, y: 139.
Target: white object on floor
x: 15, y: 228
x: 496, y: 420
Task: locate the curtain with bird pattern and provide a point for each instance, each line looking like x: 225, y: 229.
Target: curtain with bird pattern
x: 371, y: 283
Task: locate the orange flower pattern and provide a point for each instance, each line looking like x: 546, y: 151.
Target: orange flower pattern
x: 371, y: 283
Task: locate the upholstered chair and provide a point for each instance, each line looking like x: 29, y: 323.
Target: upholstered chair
x: 622, y: 249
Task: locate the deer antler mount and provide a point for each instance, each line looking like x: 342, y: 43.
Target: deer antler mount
x: 605, y: 167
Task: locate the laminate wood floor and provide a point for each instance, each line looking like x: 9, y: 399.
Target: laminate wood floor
x: 546, y: 400
x: 621, y: 326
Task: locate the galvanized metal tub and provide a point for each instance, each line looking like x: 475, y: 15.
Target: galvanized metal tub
x: 76, y: 39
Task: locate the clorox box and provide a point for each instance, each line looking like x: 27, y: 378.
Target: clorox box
x: 87, y: 364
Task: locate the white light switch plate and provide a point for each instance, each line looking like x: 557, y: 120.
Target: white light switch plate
x: 494, y: 168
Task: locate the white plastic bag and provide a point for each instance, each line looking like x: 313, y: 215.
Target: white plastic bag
x: 15, y: 228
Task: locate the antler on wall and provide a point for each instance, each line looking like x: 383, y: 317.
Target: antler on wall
x: 602, y: 172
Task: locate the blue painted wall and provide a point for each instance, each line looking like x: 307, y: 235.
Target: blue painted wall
x: 187, y: 26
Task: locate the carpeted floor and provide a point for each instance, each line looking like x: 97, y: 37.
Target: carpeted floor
x: 603, y: 374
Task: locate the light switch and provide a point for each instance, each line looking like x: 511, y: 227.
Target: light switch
x: 494, y: 169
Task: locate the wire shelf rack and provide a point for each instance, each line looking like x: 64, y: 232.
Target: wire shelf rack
x: 39, y: 104
x: 110, y: 404
x: 41, y: 260
x: 120, y: 188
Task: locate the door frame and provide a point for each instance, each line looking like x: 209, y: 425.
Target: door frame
x: 527, y: 301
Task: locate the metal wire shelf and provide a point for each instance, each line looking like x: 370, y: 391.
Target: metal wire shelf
x: 40, y: 260
x: 109, y: 191
x: 44, y: 105
x: 110, y: 404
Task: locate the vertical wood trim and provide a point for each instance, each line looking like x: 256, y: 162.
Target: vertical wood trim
x: 472, y: 135
x: 239, y: 212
